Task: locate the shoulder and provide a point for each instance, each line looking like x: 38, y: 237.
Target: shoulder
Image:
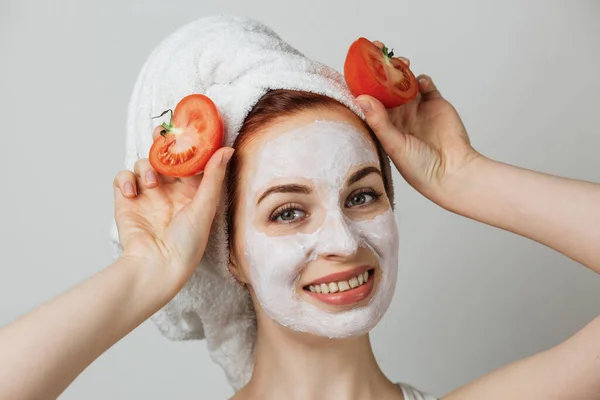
x: 411, y: 393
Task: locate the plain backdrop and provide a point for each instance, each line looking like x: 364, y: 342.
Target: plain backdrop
x: 470, y: 298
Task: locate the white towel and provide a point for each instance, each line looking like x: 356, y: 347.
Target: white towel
x: 234, y: 61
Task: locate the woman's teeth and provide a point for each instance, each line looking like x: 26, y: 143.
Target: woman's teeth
x: 341, y: 286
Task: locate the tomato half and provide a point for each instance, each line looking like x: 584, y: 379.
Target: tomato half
x: 188, y: 141
x: 373, y: 71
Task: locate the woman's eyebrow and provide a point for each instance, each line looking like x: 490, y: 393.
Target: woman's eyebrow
x: 285, y: 189
x: 361, y: 173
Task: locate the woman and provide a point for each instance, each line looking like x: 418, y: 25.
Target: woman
x: 292, y: 225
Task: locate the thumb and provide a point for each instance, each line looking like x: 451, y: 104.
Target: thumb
x: 189, y: 230
x: 392, y: 140
x: 427, y: 88
x: 204, y: 204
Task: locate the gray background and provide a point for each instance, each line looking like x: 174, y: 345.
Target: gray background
x: 470, y: 298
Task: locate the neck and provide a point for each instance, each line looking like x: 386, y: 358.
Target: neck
x: 293, y: 365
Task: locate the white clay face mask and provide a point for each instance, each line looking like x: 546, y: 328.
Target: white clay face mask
x: 323, y: 152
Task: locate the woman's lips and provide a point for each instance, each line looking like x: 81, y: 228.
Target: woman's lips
x: 347, y: 297
x: 341, y: 276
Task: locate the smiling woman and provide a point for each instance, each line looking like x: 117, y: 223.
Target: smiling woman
x: 287, y: 300
x: 311, y: 201
x: 312, y: 233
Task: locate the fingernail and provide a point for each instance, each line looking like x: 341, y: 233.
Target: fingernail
x: 365, y: 105
x: 226, y: 156
x: 424, y: 81
x: 128, y: 189
x: 150, y: 177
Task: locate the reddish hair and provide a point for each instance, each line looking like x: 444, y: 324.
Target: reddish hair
x: 273, y: 105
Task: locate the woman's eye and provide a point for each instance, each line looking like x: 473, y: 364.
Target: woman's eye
x: 288, y: 216
x: 360, y: 199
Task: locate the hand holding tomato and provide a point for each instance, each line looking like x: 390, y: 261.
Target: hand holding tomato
x: 425, y: 139
x: 164, y: 222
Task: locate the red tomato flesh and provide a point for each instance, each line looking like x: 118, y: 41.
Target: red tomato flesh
x: 193, y: 135
x: 371, y: 70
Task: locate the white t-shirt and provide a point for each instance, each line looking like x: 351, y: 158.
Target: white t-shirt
x: 410, y: 393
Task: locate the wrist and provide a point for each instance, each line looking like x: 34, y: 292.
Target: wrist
x: 149, y: 280
x: 459, y: 186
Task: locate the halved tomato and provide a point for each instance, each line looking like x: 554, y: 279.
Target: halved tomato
x: 373, y: 71
x: 187, y: 142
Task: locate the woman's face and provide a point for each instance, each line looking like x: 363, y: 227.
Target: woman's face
x: 314, y: 234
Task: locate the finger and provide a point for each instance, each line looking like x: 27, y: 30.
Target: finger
x: 191, y: 183
x: 405, y: 60
x: 125, y: 184
x: 427, y: 88
x: 157, y: 131
x: 392, y: 140
x: 204, y: 203
x: 378, y: 44
x: 148, y: 175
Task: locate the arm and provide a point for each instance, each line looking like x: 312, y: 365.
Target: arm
x: 430, y: 147
x: 45, y: 350
x: 561, y: 213
x: 569, y: 371
x: 163, y: 228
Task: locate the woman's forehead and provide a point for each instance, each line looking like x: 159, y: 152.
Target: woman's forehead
x: 322, y: 150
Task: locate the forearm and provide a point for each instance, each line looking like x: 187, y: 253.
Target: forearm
x: 45, y: 350
x: 569, y: 371
x: 561, y: 213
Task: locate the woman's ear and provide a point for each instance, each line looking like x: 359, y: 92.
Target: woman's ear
x: 236, y: 270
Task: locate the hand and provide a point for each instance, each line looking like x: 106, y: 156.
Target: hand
x: 425, y: 139
x: 165, y: 224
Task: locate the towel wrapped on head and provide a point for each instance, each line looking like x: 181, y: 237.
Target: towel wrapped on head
x: 234, y: 61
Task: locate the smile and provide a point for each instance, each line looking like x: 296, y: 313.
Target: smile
x: 335, y: 290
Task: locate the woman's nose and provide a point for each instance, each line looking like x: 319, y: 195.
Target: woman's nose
x: 335, y: 238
